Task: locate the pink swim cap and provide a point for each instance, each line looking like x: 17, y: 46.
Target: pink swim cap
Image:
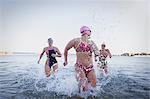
x: 83, y: 29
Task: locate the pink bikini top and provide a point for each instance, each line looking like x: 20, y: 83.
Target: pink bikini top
x: 104, y: 54
x: 83, y: 47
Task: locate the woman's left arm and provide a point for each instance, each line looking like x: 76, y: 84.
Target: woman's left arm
x: 109, y: 53
x: 58, y: 53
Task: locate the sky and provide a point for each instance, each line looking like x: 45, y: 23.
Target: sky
x: 123, y: 25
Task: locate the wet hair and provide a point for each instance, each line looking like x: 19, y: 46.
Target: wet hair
x: 50, y: 40
x: 103, y: 45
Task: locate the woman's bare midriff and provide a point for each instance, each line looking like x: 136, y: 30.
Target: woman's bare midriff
x: 84, y: 58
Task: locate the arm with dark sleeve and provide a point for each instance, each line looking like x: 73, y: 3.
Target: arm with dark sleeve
x: 68, y: 46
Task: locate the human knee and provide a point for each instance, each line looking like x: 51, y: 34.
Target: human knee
x: 47, y: 74
x: 93, y: 83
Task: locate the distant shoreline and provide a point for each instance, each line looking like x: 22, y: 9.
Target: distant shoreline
x: 135, y: 54
x: 4, y: 53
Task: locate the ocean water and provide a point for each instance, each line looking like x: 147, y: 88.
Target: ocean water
x: 22, y: 78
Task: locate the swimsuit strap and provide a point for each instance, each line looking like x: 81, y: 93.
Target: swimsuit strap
x: 79, y: 43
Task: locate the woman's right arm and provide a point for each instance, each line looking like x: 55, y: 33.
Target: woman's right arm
x: 41, y: 55
x: 95, y: 49
x: 68, y: 46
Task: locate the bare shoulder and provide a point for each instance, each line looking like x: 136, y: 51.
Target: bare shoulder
x: 107, y: 50
x: 54, y: 47
x: 74, y: 41
x: 45, y: 48
x: 91, y: 42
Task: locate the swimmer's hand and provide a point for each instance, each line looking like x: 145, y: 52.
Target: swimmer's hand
x: 38, y: 62
x: 53, y: 55
x: 95, y: 60
x: 98, y: 64
x: 65, y: 63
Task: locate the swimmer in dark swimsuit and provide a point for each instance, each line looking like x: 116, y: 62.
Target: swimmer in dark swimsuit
x: 84, y: 48
x: 51, y: 52
x: 51, y: 60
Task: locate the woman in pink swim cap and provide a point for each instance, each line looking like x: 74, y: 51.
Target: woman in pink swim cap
x: 85, y: 30
x: 84, y: 48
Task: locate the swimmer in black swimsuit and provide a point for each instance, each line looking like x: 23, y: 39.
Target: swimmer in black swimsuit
x: 51, y: 52
x: 51, y: 60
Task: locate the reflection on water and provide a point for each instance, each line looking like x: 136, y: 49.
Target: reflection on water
x: 22, y: 78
